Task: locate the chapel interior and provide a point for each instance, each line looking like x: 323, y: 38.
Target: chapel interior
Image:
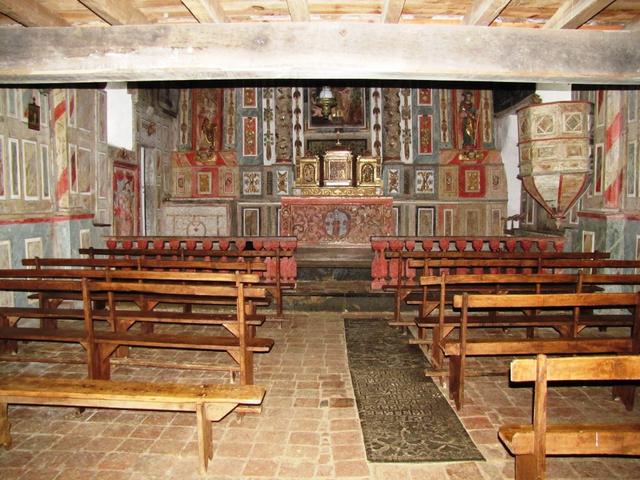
x: 348, y: 138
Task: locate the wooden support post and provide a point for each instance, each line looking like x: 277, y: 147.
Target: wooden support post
x: 5, y: 426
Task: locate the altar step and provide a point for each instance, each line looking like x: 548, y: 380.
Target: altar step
x: 335, y: 278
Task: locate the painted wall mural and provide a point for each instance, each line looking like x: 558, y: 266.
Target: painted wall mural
x: 126, y: 199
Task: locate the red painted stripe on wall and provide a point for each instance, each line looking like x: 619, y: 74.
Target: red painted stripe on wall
x: 59, y: 110
x: 613, y: 191
x: 63, y: 183
x: 613, y: 131
x: 84, y: 216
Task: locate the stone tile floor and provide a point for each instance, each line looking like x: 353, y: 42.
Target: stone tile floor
x: 309, y: 426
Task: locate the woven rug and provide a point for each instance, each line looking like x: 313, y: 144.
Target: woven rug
x: 403, y: 415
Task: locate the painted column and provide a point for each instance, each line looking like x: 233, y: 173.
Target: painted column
x: 61, y: 147
x: 612, y: 151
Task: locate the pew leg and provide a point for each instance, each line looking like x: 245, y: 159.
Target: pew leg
x: 206, y: 413
x: 455, y: 385
x: 205, y: 446
x: 526, y: 468
x: 5, y: 426
x: 48, y: 324
x: 626, y: 394
x: 436, y: 351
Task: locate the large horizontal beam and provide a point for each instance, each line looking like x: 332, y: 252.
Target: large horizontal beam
x: 317, y: 50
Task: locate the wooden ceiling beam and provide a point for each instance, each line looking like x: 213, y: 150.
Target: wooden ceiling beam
x: 392, y: 11
x: 206, y: 11
x: 31, y: 13
x: 575, y: 13
x: 484, y: 12
x: 633, y: 24
x: 298, y: 10
x: 324, y: 50
x: 116, y: 12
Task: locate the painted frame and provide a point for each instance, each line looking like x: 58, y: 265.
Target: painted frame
x: 15, y: 186
x: 351, y: 101
x: 31, y: 181
x: 126, y: 199
x: 250, y: 221
x: 3, y: 191
x: 425, y: 221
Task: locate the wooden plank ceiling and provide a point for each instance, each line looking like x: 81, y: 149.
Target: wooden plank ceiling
x: 584, y: 14
x: 442, y: 21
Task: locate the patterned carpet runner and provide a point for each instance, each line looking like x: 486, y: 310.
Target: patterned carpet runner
x: 403, y: 415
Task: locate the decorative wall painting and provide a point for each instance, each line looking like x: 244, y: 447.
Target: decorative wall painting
x: 203, y: 182
x: 473, y: 222
x: 228, y: 181
x: 424, y: 96
x: 425, y: 222
x: 84, y: 170
x: 448, y: 222
x: 2, y: 168
x: 250, y: 222
x: 350, y: 108
x: 207, y: 108
x: 126, y: 194
x: 393, y: 181
x: 44, y: 171
x: 249, y: 136
x: 425, y: 134
x: 425, y: 181
x: 14, y: 168
x: 73, y: 168
x: 30, y: 172
x: 249, y: 98
x: 251, y: 183
x: 282, y: 182
x: 496, y: 222
x: 12, y: 102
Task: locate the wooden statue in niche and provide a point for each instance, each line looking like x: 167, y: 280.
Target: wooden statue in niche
x: 207, y: 121
x: 468, y: 119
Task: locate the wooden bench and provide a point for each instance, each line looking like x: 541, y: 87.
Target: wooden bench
x: 100, y: 345
x: 457, y: 350
x: 211, y: 403
x: 406, y: 290
x: 276, y: 284
x: 531, y: 443
x: 438, y: 292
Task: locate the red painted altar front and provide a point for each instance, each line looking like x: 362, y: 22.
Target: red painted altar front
x: 347, y: 220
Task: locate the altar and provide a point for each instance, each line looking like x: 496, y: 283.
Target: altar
x: 336, y: 220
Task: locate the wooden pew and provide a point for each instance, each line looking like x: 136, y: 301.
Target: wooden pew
x: 406, y: 290
x: 210, y: 403
x: 570, y: 343
x: 185, y: 254
x: 531, y: 443
x: 145, y: 287
x: 446, y: 285
x: 144, y: 263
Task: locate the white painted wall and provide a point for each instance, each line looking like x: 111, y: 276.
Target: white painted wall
x: 507, y: 142
x: 119, y: 116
